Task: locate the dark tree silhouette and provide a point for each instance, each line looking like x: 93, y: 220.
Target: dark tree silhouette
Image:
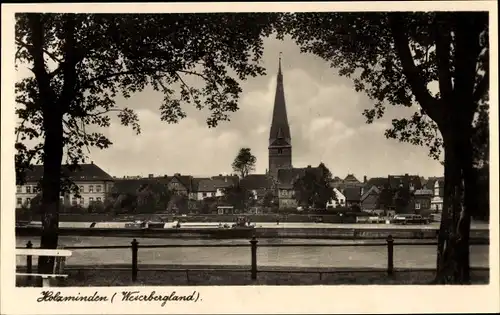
x: 244, y: 163
x: 394, y: 58
x: 82, y: 62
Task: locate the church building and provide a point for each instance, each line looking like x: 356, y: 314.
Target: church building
x: 280, y: 140
x: 281, y: 169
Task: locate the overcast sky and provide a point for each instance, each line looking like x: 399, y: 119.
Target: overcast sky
x: 326, y: 123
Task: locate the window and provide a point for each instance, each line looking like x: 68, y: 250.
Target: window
x: 73, y: 201
x: 28, y: 189
x: 82, y: 189
x: 28, y: 201
x: 98, y: 188
x: 417, y: 206
x: 98, y: 198
x: 204, y: 194
x: 91, y: 200
x: 19, y: 201
x: 91, y: 189
x: 19, y: 189
x: 82, y: 201
x: 280, y: 151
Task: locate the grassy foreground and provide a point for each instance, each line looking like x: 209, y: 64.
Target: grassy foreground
x: 157, y: 276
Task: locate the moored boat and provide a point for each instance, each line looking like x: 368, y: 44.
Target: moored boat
x: 404, y: 219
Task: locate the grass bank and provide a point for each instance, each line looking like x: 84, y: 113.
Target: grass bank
x: 228, y: 275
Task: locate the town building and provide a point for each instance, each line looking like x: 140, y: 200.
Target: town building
x: 422, y: 200
x: 93, y: 183
x: 370, y: 198
x: 339, y: 202
x: 436, y: 184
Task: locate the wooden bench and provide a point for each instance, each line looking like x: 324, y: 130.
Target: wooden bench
x: 60, y: 260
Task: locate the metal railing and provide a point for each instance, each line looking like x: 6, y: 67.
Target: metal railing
x: 253, y: 244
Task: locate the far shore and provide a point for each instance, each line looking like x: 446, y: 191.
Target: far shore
x: 479, y: 232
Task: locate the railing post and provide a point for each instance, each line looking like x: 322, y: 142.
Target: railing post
x: 390, y: 255
x: 29, y: 261
x: 135, y: 249
x: 253, y: 243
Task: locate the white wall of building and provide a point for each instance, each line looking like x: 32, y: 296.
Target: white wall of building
x: 340, y: 202
x: 89, y: 191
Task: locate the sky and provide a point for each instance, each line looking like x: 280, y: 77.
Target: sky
x: 325, y: 117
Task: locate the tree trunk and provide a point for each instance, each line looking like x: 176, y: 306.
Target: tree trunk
x: 53, y: 148
x: 453, y: 240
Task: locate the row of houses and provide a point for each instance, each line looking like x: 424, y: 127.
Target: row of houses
x: 422, y: 194
x: 95, y: 185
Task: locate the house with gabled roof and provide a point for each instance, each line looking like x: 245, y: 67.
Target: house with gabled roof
x: 93, y: 183
x: 339, y: 202
x: 379, y: 182
x: 369, y: 198
x: 352, y: 196
x: 411, y: 182
x: 214, y: 187
x: 259, y: 185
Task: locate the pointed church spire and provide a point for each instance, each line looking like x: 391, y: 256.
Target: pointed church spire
x: 279, y: 64
x: 279, y: 126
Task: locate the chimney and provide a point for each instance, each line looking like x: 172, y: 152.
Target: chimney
x: 364, y: 179
x: 308, y: 166
x: 177, y: 174
x: 91, y: 162
x: 220, y: 175
x: 151, y: 175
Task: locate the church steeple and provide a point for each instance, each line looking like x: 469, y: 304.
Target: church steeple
x: 279, y: 125
x: 280, y: 140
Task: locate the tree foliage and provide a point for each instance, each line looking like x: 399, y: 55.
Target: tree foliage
x: 434, y: 62
x: 244, y: 163
x: 313, y: 188
x: 239, y: 197
x: 385, y: 199
x: 81, y: 63
x: 373, y: 49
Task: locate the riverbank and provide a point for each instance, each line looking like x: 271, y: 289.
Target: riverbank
x: 315, y: 231
x: 160, y: 275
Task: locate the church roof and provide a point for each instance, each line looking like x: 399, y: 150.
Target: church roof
x: 279, y: 125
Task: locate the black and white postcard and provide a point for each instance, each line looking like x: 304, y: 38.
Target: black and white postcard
x: 250, y: 157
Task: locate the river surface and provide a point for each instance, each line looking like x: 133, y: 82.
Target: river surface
x: 405, y: 256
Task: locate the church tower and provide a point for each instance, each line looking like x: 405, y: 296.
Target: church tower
x: 280, y: 141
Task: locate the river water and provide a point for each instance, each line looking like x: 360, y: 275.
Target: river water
x: 405, y: 256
